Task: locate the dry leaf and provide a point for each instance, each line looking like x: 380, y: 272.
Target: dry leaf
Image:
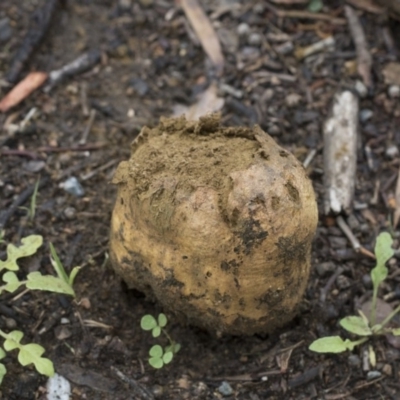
x: 22, y: 90
x: 207, y: 102
x: 205, y: 31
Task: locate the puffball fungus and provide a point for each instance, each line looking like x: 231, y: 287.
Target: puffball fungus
x: 216, y: 223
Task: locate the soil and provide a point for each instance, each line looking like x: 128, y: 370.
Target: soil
x: 197, y: 199
x: 150, y: 61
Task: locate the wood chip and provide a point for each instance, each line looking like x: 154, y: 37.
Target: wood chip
x: 205, y: 32
x: 22, y: 90
x: 340, y: 153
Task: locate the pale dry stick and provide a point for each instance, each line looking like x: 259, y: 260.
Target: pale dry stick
x: 94, y: 172
x: 305, y: 15
x: 331, y: 281
x: 88, y: 128
x: 353, y: 240
x: 138, y: 390
x: 364, y: 59
x: 366, y: 5
x: 310, y: 156
x: 204, y: 31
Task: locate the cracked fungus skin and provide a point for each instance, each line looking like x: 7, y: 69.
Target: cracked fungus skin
x: 215, y: 223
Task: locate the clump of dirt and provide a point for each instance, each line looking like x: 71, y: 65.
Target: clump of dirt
x: 216, y: 223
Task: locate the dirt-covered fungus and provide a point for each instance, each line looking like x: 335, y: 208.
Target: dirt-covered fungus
x: 216, y: 223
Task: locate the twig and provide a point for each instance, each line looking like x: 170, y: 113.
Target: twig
x: 80, y: 64
x: 92, y: 173
x: 305, y: 15
x: 21, y: 199
x: 88, y: 127
x: 364, y: 59
x: 40, y: 22
x: 353, y: 240
x: 49, y: 149
x: 138, y: 390
x: 327, y: 287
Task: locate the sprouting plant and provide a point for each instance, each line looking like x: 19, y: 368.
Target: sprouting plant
x: 31, y: 211
x: 159, y: 356
x: 62, y: 283
x: 364, y: 326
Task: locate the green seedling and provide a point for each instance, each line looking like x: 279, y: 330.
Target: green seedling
x: 27, y: 354
x: 31, y: 211
x: 159, y: 356
x: 62, y: 283
x: 364, y: 326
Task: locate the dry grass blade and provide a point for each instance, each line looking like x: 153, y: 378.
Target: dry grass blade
x: 22, y: 90
x: 364, y: 59
x: 205, y: 31
x: 207, y: 102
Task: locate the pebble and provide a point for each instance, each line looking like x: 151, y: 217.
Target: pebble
x: 325, y: 268
x: 254, y: 39
x: 354, y: 360
x: 367, y: 281
x: 125, y: 4
x: 225, y: 389
x: 72, y: 186
x: 342, y: 282
x: 365, y: 115
x: 361, y: 89
x: 10, y: 323
x: 387, y: 369
x: 394, y: 91
x: 243, y: 29
x: 5, y: 30
x: 392, y: 151
x: 292, y: 99
x: 373, y: 375
x: 58, y: 388
x: 70, y: 212
x: 34, y: 166
x: 140, y: 86
x: 158, y: 391
x: 285, y: 48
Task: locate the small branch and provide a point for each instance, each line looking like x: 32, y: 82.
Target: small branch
x: 364, y: 59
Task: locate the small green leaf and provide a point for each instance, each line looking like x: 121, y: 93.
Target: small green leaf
x: 162, y: 320
x: 156, y: 362
x: 177, y: 347
x: 12, y: 340
x: 57, y: 264
x: 148, y: 322
x: 32, y: 354
x: 356, y: 325
x: 156, y: 351
x: 396, y: 332
x: 2, y: 353
x: 167, y: 357
x: 37, y: 281
x: 331, y: 344
x: 315, y: 5
x: 73, y: 275
x: 29, y: 246
x: 383, y: 252
x: 3, y: 372
x: 156, y: 332
x: 12, y: 282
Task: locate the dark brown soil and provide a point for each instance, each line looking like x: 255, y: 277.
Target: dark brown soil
x: 150, y: 62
